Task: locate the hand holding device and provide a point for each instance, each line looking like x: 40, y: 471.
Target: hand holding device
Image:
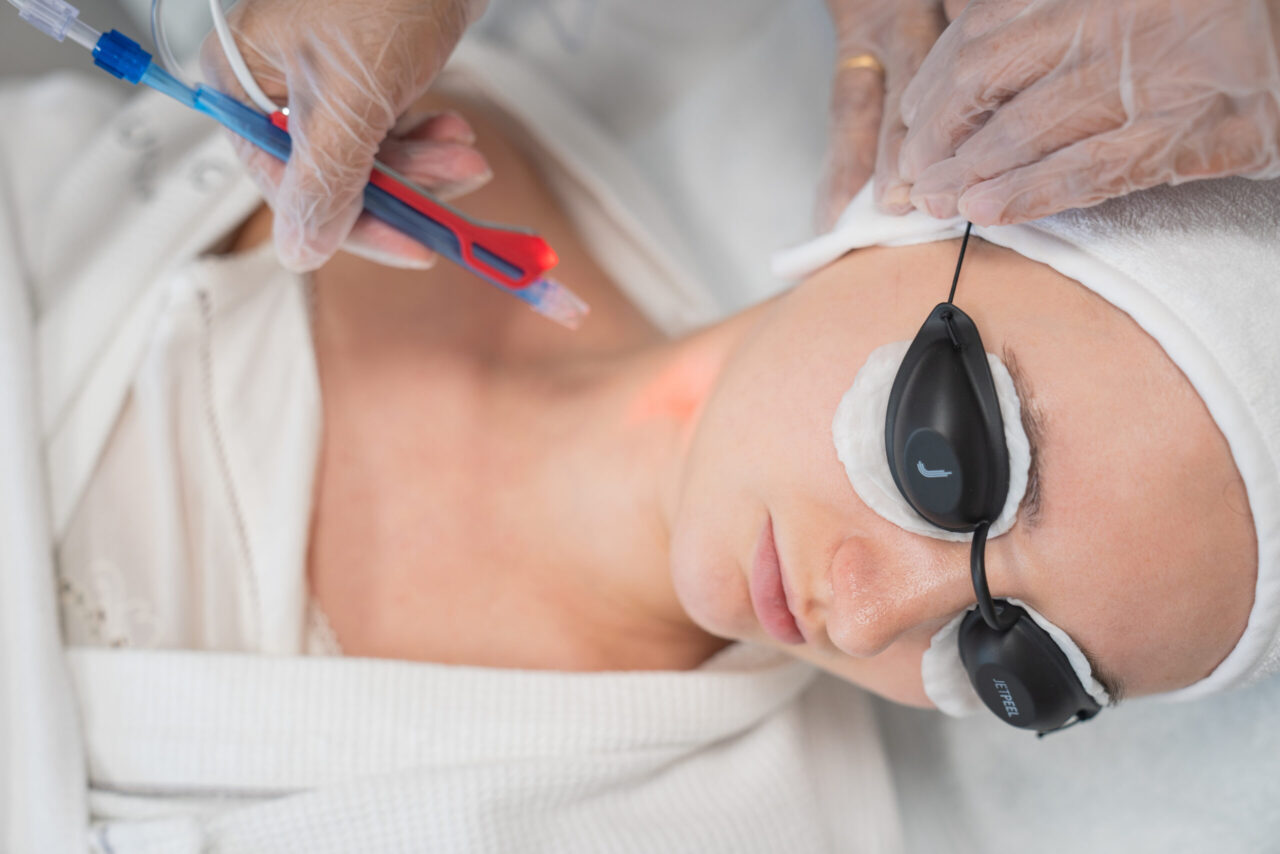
x: 348, y: 70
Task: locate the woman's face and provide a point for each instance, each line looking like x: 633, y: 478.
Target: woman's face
x: 1143, y: 549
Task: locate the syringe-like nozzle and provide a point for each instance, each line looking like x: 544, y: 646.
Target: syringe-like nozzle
x: 58, y: 19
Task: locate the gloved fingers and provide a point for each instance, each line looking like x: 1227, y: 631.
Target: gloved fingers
x: 429, y: 124
x: 892, y: 193
x: 265, y: 170
x: 247, y: 22
x: 1027, y: 193
x: 439, y: 158
x: 1203, y: 139
x: 437, y: 155
x: 380, y: 243
x: 349, y: 68
x: 915, y: 33
x: 1059, y: 110
x: 1073, y: 101
x: 967, y: 20
x: 1078, y: 176
x: 318, y: 197
x: 433, y: 150
x: 967, y: 78
x: 1242, y: 143
x: 446, y: 170
x: 857, y: 101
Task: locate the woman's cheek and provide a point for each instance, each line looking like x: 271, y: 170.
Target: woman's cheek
x: 712, y: 590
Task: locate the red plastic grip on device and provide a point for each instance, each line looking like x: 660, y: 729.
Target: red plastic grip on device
x: 527, y: 252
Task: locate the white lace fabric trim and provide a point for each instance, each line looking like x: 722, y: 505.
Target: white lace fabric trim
x: 98, y: 610
x: 321, y: 639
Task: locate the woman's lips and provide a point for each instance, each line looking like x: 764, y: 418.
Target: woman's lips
x: 767, y: 594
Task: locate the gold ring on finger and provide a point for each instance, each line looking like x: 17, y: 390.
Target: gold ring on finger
x: 862, y: 60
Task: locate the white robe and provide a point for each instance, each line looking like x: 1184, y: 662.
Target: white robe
x: 254, y: 748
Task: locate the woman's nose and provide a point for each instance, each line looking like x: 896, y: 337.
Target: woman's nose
x: 884, y: 588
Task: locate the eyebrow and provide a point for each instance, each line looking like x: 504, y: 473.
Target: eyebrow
x: 1032, y: 507
x: 1033, y: 425
x: 1113, y: 685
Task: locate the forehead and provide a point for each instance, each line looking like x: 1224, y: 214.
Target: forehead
x: 1144, y: 553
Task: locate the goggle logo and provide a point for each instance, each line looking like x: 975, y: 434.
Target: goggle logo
x: 931, y: 472
x: 1006, y: 698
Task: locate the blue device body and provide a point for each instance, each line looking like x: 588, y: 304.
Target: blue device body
x: 124, y: 58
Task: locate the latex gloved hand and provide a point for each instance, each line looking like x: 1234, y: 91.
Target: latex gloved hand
x: 349, y: 70
x: 866, y: 128
x: 1027, y: 107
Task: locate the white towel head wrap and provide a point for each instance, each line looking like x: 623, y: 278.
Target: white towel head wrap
x: 1198, y: 268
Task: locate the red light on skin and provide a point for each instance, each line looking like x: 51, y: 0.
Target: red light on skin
x: 529, y: 253
x: 679, y: 393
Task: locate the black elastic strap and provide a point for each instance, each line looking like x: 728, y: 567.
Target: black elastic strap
x: 956, y: 278
x: 978, y: 569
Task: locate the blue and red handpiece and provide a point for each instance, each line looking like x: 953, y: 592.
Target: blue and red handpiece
x: 513, y: 259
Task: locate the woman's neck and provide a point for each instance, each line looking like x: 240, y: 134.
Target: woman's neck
x: 493, y: 490
x: 532, y: 494
x: 609, y: 478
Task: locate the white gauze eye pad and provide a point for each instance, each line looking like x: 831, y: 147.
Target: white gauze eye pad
x: 858, y: 431
x: 947, y: 682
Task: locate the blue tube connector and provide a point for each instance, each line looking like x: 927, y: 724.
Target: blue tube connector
x: 121, y: 56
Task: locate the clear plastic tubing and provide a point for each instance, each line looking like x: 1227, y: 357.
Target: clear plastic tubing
x: 57, y: 19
